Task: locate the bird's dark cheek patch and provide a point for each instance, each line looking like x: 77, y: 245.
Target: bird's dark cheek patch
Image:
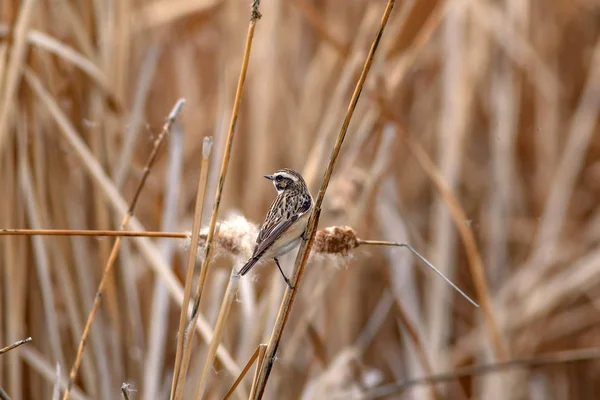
x: 306, y: 204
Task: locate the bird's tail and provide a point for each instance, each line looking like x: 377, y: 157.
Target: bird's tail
x: 248, y: 265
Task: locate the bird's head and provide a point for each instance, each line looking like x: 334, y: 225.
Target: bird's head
x: 285, y: 179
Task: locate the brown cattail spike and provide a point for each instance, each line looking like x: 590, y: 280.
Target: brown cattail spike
x: 335, y: 240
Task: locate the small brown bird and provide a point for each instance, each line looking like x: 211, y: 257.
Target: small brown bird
x: 286, y: 221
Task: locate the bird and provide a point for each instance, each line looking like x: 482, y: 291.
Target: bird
x: 285, y: 223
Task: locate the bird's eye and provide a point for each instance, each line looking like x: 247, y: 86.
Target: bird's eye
x: 278, y: 178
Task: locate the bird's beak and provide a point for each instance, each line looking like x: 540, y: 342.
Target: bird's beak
x: 270, y: 177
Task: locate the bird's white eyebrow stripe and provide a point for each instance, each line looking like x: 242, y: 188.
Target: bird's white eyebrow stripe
x: 288, y: 176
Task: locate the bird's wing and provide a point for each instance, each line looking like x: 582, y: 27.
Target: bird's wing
x: 276, y: 223
x: 268, y: 241
x: 273, y: 234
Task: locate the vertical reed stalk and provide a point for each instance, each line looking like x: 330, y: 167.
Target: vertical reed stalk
x: 180, y: 375
x: 305, y: 248
x: 228, y: 298
x: 193, y: 251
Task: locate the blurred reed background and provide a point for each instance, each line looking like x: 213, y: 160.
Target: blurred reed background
x: 475, y: 140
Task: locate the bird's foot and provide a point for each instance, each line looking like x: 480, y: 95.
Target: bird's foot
x: 287, y: 281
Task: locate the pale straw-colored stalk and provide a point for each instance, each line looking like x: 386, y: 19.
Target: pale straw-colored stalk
x: 228, y: 298
x: 191, y: 262
x: 181, y: 371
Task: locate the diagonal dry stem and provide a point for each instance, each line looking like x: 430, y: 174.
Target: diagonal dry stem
x: 468, y: 238
x: 414, y: 336
x: 14, y: 72
x: 180, y: 374
x: 305, y: 248
x: 93, y: 168
x: 45, y: 41
x: 559, y: 357
x: 14, y: 345
x: 260, y: 348
x: 113, y: 255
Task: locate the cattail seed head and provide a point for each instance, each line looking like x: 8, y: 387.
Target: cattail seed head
x: 235, y: 236
x: 335, y: 240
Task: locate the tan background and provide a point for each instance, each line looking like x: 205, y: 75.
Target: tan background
x: 495, y: 102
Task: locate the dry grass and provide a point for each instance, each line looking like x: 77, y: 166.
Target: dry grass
x: 476, y: 139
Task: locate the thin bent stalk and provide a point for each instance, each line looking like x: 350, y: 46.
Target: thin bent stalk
x: 416, y: 253
x: 113, y: 254
x: 179, y: 376
x: 305, y: 248
x: 475, y: 262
